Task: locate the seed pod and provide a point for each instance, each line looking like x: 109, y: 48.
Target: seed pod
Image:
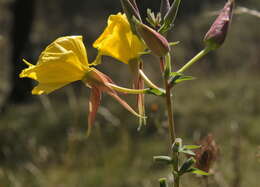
x: 157, y: 43
x: 217, y: 33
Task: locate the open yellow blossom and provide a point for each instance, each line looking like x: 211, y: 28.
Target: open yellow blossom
x: 118, y: 41
x: 62, y: 62
x: 65, y: 61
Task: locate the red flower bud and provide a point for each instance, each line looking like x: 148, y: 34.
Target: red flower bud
x: 154, y: 40
x: 217, y: 33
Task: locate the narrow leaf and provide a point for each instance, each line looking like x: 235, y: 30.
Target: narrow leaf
x: 184, y: 78
x: 163, y: 159
x: 158, y: 92
x: 174, y: 43
x: 199, y: 172
x: 187, y: 151
x: 191, y: 146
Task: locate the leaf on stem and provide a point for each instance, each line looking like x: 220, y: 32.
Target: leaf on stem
x: 157, y: 92
x: 198, y: 171
x: 176, y: 78
x: 191, y: 146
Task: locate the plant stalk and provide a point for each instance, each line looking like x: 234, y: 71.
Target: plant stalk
x: 194, y: 60
x: 171, y: 126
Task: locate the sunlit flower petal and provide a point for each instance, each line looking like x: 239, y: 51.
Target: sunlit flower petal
x: 62, y: 62
x: 118, y: 41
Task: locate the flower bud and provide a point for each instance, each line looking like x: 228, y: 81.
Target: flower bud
x: 217, y: 33
x: 157, y: 43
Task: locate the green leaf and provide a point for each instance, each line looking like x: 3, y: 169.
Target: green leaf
x: 175, y: 74
x: 163, y: 159
x: 176, y: 78
x: 187, y: 151
x: 184, y: 78
x: 198, y: 171
x: 191, y: 146
x: 174, y: 43
x: 158, y: 92
x: 170, y: 17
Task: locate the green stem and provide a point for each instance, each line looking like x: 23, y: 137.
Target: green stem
x: 147, y: 81
x: 194, y: 60
x: 127, y: 90
x: 171, y: 125
x: 169, y: 104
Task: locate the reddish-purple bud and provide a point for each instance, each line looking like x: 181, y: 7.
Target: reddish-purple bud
x: 217, y: 33
x: 157, y: 43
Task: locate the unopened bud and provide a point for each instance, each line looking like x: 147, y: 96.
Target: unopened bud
x: 157, y: 43
x: 217, y: 33
x: 165, y: 6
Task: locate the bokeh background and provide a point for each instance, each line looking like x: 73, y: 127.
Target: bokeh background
x: 43, y: 138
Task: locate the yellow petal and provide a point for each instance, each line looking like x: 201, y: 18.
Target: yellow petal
x: 62, y: 62
x: 118, y: 41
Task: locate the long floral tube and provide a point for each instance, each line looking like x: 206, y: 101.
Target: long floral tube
x: 147, y: 81
x: 127, y: 90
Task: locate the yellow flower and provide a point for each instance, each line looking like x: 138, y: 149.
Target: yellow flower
x: 65, y: 61
x: 62, y: 62
x: 118, y: 41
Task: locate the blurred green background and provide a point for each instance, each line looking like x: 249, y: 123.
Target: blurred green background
x: 43, y: 138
